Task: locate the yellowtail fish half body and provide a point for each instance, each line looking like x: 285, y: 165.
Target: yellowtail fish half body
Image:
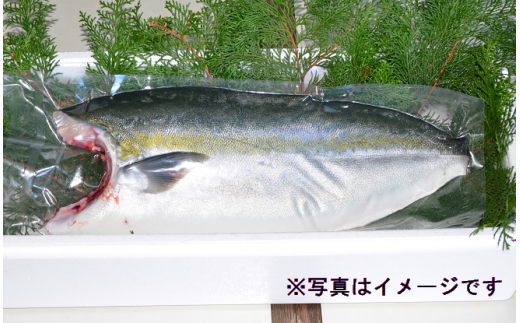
x: 212, y: 160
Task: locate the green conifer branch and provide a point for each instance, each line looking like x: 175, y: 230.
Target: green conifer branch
x: 186, y: 36
x: 115, y: 38
x: 27, y: 45
x: 498, y: 92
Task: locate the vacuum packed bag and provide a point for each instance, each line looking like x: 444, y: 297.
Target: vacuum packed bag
x: 163, y: 155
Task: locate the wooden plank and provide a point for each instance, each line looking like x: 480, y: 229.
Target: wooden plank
x: 296, y: 313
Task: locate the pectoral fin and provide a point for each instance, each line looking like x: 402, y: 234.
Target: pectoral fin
x: 159, y: 173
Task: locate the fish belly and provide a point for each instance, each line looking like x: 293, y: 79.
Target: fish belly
x: 276, y: 192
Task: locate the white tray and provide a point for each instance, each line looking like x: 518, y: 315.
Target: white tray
x: 80, y: 271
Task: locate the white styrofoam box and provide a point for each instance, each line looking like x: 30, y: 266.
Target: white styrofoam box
x: 417, y: 265
x: 73, y: 65
x: 79, y: 271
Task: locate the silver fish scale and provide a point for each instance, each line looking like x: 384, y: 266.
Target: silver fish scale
x: 218, y: 113
x: 277, y: 163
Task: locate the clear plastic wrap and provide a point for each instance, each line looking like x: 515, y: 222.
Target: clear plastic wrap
x: 46, y: 178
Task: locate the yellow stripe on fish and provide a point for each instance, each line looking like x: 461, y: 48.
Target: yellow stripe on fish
x: 212, y: 145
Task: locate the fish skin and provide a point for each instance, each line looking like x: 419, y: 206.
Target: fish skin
x: 272, y: 162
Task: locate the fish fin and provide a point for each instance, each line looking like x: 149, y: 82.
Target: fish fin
x: 163, y: 171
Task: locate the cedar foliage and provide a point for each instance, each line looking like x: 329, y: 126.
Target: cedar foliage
x: 114, y: 37
x: 26, y: 43
x: 463, y: 45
